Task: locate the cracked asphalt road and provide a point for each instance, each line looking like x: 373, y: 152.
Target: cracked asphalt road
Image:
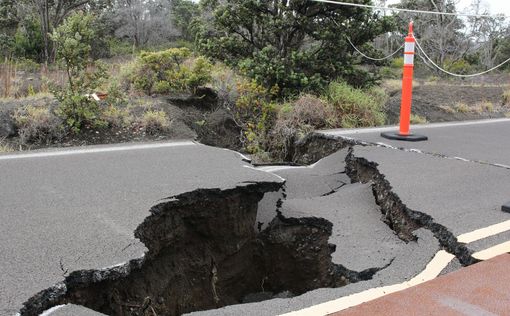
x: 76, y: 209
x: 94, y: 197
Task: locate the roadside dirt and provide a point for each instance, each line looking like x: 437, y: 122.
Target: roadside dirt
x: 445, y: 101
x: 189, y: 119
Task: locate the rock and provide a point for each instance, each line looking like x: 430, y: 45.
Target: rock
x: 7, y: 127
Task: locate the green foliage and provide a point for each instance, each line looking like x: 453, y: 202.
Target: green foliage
x: 354, y: 107
x: 256, y: 114
x: 460, y: 66
x: 297, y: 45
x: 183, y: 11
x: 295, y: 120
x: 37, y: 125
x: 73, y: 40
x: 28, y: 40
x: 170, y: 70
x: 116, y: 116
x: 79, y: 110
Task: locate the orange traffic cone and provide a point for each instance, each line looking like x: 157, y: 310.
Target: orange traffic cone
x: 407, y: 94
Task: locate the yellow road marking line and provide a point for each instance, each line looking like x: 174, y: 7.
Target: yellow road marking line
x: 432, y: 270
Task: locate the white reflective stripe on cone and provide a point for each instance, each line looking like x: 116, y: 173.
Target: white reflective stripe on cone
x: 409, y: 47
x: 408, y: 59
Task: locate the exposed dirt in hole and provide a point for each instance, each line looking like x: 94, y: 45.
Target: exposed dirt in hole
x: 204, y: 253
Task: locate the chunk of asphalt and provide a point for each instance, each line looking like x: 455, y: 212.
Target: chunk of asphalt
x: 71, y: 309
x: 450, y: 197
x: 267, y: 209
x: 362, y: 240
x: 454, y: 265
x: 506, y: 207
x: 322, y: 178
x: 73, y: 212
x: 412, y: 260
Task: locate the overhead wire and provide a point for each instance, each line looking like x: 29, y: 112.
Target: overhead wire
x: 411, y: 10
x: 372, y: 58
x: 455, y: 74
x: 425, y: 56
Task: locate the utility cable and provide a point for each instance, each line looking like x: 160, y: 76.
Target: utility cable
x: 372, y: 58
x: 412, y: 11
x: 454, y: 74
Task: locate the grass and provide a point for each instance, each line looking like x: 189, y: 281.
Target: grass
x: 154, y: 121
x: 354, y: 107
x: 418, y: 119
x: 462, y: 107
x: 5, y: 148
x: 506, y: 97
x: 37, y: 124
x: 447, y: 109
x: 484, y: 107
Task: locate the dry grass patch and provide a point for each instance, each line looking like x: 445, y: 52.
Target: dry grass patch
x: 154, y: 122
x: 418, y: 119
x: 37, y: 125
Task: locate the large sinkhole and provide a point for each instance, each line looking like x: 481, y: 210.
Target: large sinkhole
x: 205, y: 252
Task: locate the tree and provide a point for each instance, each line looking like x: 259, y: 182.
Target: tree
x: 183, y: 12
x: 440, y: 35
x: 8, y: 26
x: 293, y: 45
x: 51, y: 13
x: 73, y: 42
x: 144, y: 21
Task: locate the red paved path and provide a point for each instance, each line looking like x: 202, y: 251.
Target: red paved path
x: 479, y: 290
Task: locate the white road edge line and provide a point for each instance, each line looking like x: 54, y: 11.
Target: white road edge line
x: 484, y: 232
x: 431, y: 271
x: 493, y: 251
x: 69, y: 152
x: 340, y: 132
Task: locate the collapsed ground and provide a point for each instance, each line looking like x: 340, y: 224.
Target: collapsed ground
x: 339, y: 223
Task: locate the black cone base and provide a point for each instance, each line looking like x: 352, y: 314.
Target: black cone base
x: 408, y: 138
x: 506, y: 207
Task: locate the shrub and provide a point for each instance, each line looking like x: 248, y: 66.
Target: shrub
x: 506, y: 97
x: 37, y: 125
x: 154, y: 122
x: 73, y: 40
x: 461, y: 107
x: 5, y: 148
x: 460, y: 66
x: 255, y: 113
x: 224, y: 81
x: 354, y: 107
x: 169, y: 70
x: 115, y: 116
x: 295, y: 120
x: 484, y: 106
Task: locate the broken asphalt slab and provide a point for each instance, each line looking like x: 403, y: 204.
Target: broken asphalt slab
x: 361, y: 239
x: 459, y: 195
x: 70, y: 210
x: 322, y: 178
